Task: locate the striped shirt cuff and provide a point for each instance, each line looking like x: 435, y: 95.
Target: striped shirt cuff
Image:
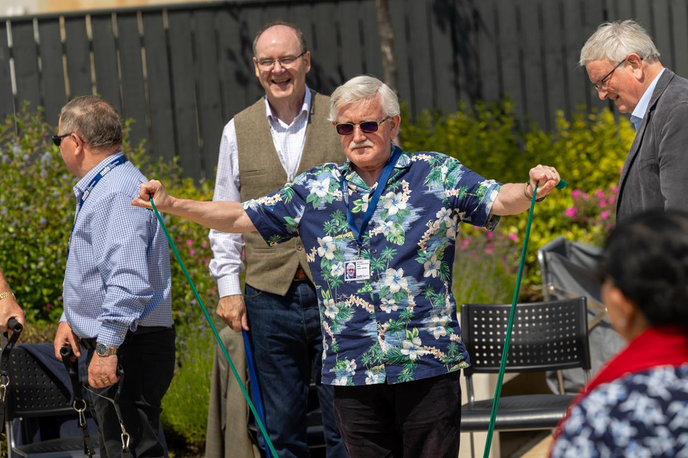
x: 112, y: 333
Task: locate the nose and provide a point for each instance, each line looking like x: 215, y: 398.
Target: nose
x: 277, y: 67
x: 602, y: 93
x: 359, y: 136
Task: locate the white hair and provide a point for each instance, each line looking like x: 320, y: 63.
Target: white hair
x: 616, y: 40
x: 363, y: 87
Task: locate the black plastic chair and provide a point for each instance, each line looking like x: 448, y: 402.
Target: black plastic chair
x: 546, y: 336
x: 42, y: 403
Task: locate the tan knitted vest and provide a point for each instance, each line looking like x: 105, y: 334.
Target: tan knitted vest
x: 272, y: 269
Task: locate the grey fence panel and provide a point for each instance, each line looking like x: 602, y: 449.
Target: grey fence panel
x: 133, y: 84
x: 183, y: 91
x: 235, y: 67
x: 556, y: 67
x: 348, y: 28
x: 370, y: 39
x: 443, y: 19
x: 105, y: 59
x: 401, y: 49
x: 512, y: 56
x: 529, y: 22
x: 423, y: 84
x: 54, y: 94
x: 26, y: 63
x: 489, y: 56
x: 6, y: 96
x: 679, y: 18
x: 579, y: 89
x: 663, y: 29
x: 328, y: 62
x: 594, y: 14
x: 209, y: 96
x: 253, y: 17
x: 161, y: 140
x: 78, y: 57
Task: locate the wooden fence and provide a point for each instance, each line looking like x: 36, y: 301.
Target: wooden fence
x: 182, y: 71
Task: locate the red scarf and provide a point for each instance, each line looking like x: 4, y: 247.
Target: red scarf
x: 657, y: 346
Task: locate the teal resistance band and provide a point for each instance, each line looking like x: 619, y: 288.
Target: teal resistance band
x: 507, y: 340
x: 217, y: 336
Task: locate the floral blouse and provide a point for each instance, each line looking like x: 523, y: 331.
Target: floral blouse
x: 400, y: 323
x: 640, y: 415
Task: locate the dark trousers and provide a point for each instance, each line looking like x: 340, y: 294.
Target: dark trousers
x: 287, y: 349
x: 419, y: 419
x: 148, y: 363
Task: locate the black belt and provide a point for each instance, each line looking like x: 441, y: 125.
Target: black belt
x: 89, y: 343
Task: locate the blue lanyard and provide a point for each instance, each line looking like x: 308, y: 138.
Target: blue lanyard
x: 92, y: 184
x: 372, y: 203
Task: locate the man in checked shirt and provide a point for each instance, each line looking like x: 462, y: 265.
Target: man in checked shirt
x: 262, y: 148
x: 117, y: 286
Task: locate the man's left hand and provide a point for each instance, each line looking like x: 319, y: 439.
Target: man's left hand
x: 102, y: 372
x: 545, y: 177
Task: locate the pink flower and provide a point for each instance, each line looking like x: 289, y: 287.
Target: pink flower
x: 605, y: 214
x: 571, y: 212
x: 189, y: 242
x: 612, y: 199
x: 213, y: 292
x: 615, y: 189
x: 603, y: 203
x: 599, y: 194
x: 192, y: 252
x: 513, y: 237
x: 575, y: 193
x: 489, y: 250
x: 585, y: 196
x: 204, y: 244
x: 490, y: 236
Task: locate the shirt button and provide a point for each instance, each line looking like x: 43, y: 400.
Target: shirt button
x: 374, y: 250
x: 299, y: 247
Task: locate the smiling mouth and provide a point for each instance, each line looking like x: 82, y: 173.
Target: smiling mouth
x: 281, y: 81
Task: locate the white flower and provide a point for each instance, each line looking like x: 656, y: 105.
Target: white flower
x: 394, y: 278
x: 443, y: 213
x: 341, y: 381
x: 387, y: 226
x: 337, y: 269
x: 330, y: 309
x: 388, y: 305
x: 350, y: 366
x: 432, y: 267
x: 394, y: 203
x: 437, y: 326
x: 412, y: 348
x: 321, y: 188
x: 374, y: 377
x: 327, y: 247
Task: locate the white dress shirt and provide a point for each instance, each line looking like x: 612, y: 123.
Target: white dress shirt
x: 288, y: 139
x: 640, y: 109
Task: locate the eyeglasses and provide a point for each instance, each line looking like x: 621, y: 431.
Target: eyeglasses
x: 367, y: 127
x: 285, y: 62
x: 57, y: 139
x: 601, y: 84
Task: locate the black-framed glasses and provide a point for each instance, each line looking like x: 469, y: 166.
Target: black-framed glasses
x: 367, y: 127
x: 57, y: 139
x: 601, y: 84
x: 285, y: 62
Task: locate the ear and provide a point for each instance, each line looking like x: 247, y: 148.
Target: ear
x: 622, y: 311
x: 255, y: 67
x: 395, y: 122
x: 636, y: 65
x: 307, y: 61
x: 79, y: 144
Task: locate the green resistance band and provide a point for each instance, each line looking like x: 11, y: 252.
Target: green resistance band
x: 507, y: 340
x: 217, y: 336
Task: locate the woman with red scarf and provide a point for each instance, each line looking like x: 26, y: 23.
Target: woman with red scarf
x: 637, y: 405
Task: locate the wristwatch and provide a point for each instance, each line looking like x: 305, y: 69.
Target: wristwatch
x: 104, y: 350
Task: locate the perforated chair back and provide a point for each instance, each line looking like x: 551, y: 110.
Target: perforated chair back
x: 546, y: 336
x: 34, y: 392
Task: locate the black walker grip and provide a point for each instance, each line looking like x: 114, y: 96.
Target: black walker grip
x: 66, y: 351
x: 14, y: 325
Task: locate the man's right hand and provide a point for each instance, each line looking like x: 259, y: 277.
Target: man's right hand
x: 65, y: 336
x: 154, y: 189
x: 232, y: 310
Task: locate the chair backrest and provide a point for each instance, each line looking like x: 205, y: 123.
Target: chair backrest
x: 549, y: 335
x: 34, y: 391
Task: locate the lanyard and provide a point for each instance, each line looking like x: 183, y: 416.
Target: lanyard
x: 372, y: 203
x: 92, y: 184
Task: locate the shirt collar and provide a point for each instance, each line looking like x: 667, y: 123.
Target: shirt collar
x: 640, y: 109
x: 347, y: 171
x: 82, y: 184
x: 305, y: 107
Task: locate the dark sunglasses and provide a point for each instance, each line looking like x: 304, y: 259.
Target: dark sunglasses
x: 57, y: 139
x: 367, y: 127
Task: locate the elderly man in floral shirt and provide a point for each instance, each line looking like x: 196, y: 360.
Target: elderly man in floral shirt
x: 392, y: 343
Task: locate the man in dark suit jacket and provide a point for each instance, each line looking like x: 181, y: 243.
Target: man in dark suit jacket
x: 623, y: 64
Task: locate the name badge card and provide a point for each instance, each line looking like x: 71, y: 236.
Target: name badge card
x: 357, y: 270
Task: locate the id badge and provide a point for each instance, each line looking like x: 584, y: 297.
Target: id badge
x: 357, y: 270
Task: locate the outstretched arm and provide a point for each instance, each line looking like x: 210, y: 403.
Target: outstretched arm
x: 222, y: 216
x: 514, y: 198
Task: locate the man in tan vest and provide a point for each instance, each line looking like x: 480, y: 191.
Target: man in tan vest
x: 265, y: 146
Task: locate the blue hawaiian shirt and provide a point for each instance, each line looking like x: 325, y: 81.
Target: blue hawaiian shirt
x: 401, y: 323
x: 641, y: 415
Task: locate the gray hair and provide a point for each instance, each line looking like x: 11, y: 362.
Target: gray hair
x: 269, y: 25
x: 616, y: 40
x: 95, y: 120
x: 364, y: 87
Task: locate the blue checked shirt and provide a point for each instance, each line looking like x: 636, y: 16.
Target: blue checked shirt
x: 118, y: 269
